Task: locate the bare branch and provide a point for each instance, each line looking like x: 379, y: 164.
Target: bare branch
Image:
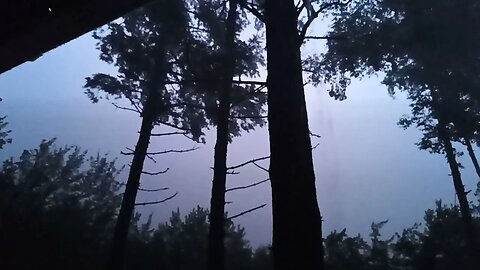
x: 316, y: 145
x: 168, y: 134
x: 232, y: 172
x: 229, y: 202
x: 156, y: 173
x: 151, y: 158
x: 157, y: 202
x: 173, y: 151
x: 153, y: 190
x: 315, y: 135
x: 126, y: 109
x: 128, y: 153
x: 249, y: 186
x: 260, y: 167
x: 248, y: 162
x: 246, y: 212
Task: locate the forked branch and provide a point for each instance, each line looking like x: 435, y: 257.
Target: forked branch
x: 248, y: 162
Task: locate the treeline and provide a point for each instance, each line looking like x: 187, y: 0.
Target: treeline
x: 187, y: 65
x: 58, y: 207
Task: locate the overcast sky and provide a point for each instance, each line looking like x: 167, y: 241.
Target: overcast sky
x: 367, y: 168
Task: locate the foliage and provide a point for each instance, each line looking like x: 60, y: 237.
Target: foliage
x: 4, y: 134
x: 56, y: 208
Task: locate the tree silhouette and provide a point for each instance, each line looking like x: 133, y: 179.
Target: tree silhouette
x: 146, y: 49
x: 236, y: 107
x: 181, y: 87
x: 56, y: 208
x: 411, y: 43
x: 4, y: 134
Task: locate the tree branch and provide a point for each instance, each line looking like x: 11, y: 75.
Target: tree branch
x: 315, y: 14
x: 248, y: 162
x: 315, y: 135
x: 153, y: 190
x: 249, y: 186
x: 252, y: 10
x: 156, y: 173
x: 157, y: 202
x: 249, y: 117
x: 172, y: 125
x: 151, y: 158
x: 173, y: 151
x: 246, y: 212
x: 168, y: 133
x: 126, y: 109
x: 260, y: 167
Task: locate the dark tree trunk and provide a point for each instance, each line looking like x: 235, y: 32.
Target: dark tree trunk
x: 149, y: 115
x: 216, y: 246
x: 472, y: 155
x: 471, y: 233
x: 130, y: 195
x: 297, y: 231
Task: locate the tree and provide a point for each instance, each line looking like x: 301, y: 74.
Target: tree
x: 181, y: 243
x: 191, y: 94
x: 146, y: 47
x: 296, y: 216
x: 411, y: 43
x: 230, y: 60
x: 4, y: 134
x: 57, y: 207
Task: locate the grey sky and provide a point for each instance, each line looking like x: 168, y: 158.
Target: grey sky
x: 367, y: 168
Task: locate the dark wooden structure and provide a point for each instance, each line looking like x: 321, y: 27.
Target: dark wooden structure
x: 30, y: 28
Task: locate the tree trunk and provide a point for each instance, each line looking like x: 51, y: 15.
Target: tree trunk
x: 149, y: 115
x: 216, y: 243
x: 472, y: 155
x: 471, y: 233
x: 130, y: 195
x: 297, y: 231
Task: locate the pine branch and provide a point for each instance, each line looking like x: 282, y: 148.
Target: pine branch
x: 246, y: 212
x: 156, y: 173
x: 157, y: 202
x: 173, y: 126
x: 248, y: 96
x: 247, y: 162
x: 249, y: 186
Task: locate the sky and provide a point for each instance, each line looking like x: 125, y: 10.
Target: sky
x: 367, y: 168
